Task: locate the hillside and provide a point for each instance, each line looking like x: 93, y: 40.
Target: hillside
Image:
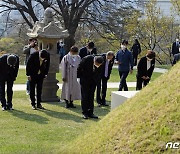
x: 144, y: 124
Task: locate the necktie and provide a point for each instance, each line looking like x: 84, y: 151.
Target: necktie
x: 106, y: 69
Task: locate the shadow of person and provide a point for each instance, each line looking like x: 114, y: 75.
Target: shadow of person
x: 62, y: 115
x: 29, y: 117
x: 99, y: 111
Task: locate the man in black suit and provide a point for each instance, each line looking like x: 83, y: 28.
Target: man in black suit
x: 175, y: 47
x: 9, y: 66
x: 37, y: 69
x: 88, y: 50
x: 145, y: 69
x: 89, y: 72
x: 105, y: 75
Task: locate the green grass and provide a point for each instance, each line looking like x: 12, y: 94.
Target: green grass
x: 164, y: 66
x: 42, y: 131
x: 21, y: 79
x: 131, y: 77
x: 143, y: 124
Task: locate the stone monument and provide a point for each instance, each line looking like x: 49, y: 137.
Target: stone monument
x: 48, y: 32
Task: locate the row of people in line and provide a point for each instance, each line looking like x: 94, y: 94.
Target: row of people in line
x: 92, y: 70
x: 92, y: 76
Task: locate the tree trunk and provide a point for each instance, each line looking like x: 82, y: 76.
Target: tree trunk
x: 69, y: 42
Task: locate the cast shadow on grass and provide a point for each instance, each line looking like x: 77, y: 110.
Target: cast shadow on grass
x: 100, y: 111
x: 62, y: 115
x: 29, y: 117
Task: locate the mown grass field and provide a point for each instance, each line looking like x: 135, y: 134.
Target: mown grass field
x: 24, y: 130
x: 21, y: 79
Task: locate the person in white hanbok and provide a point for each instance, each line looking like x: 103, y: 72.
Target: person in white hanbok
x: 71, y: 88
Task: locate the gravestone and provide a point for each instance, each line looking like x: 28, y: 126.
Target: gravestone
x: 48, y: 32
x: 119, y: 97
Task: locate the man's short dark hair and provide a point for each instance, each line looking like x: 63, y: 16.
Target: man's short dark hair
x: 91, y: 45
x: 32, y: 39
x: 11, y: 60
x: 110, y: 53
x: 151, y: 54
x: 124, y: 42
x: 43, y: 53
x: 98, y: 59
x: 74, y: 49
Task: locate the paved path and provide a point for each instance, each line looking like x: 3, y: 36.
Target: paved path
x: 159, y: 70
x: 22, y: 87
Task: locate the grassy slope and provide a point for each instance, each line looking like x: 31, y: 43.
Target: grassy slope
x: 141, y: 125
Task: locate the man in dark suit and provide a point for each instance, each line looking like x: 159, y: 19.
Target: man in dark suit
x: 105, y: 75
x: 9, y: 66
x: 145, y: 69
x: 37, y: 69
x: 88, y: 50
x: 175, y: 47
x: 89, y: 72
x: 28, y: 50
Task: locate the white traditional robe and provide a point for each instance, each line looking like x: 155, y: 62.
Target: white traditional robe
x: 71, y: 88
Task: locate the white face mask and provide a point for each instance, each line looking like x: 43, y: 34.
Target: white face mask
x: 177, y: 40
x: 90, y: 50
x: 73, y: 55
x: 123, y: 47
x: 149, y: 59
x: 61, y: 44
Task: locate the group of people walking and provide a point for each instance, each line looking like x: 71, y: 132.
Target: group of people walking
x: 83, y: 71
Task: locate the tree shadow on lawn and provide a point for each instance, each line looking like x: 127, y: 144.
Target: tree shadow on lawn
x: 62, y: 115
x: 29, y: 117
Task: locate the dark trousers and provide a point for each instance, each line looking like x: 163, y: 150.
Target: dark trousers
x: 135, y: 59
x: 36, y: 83
x: 87, y: 98
x: 141, y: 82
x: 123, y: 84
x: 101, y: 91
x: 9, y: 93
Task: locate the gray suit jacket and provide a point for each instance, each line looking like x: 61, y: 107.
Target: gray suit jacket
x: 26, y: 50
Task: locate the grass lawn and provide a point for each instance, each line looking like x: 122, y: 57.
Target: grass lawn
x: 42, y: 131
x: 164, y: 66
x: 21, y: 79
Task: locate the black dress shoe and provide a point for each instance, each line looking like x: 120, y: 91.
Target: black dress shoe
x: 99, y: 105
x: 93, y: 116
x: 84, y: 116
x: 40, y: 107
x: 33, y: 107
x: 71, y: 105
x: 67, y: 105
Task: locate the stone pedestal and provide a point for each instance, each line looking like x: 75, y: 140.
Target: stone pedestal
x: 48, y: 32
x: 119, y: 97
